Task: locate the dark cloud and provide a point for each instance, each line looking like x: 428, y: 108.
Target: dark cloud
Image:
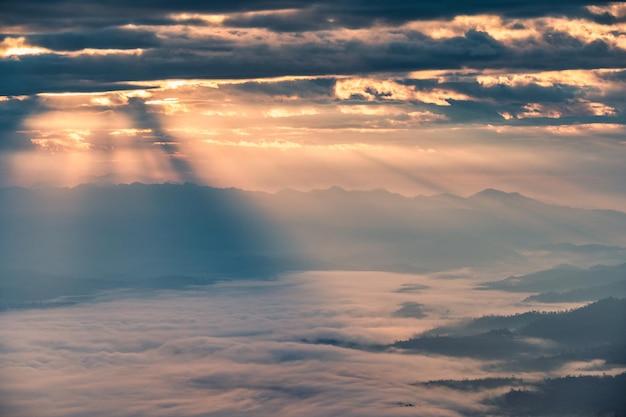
x: 52, y: 73
x: 487, y: 103
x: 181, y: 55
x: 295, y: 21
x: 49, y: 72
x: 310, y: 89
x: 464, y: 111
x: 63, y: 14
x: 109, y: 38
x: 317, y: 15
x: 603, y: 18
x: 360, y: 14
x: 517, y: 94
x: 615, y: 76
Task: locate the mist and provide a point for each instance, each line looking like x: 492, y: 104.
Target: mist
x: 185, y: 300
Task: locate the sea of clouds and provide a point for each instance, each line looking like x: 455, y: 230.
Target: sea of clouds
x: 302, y: 344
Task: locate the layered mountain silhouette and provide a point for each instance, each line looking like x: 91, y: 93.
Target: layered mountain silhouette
x: 381, y: 230
x: 118, y: 235
x: 594, y: 292
x: 566, y: 283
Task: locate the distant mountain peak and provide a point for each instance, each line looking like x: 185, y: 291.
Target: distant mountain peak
x: 493, y: 193
x: 333, y: 190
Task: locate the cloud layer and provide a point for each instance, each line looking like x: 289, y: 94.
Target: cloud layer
x: 240, y: 347
x: 236, y: 348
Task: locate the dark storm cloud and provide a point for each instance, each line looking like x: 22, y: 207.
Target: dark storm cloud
x: 468, y: 110
x: 474, y: 46
x: 315, y: 88
x: 519, y: 94
x: 63, y: 14
x: 360, y: 14
x: 488, y: 102
x: 58, y: 73
x: 615, y: 76
x: 491, y: 101
x: 604, y: 18
x: 305, y: 15
x: 99, y: 39
x: 185, y: 53
x: 30, y: 74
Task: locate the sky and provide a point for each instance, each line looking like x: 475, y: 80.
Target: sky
x: 414, y: 97
x: 171, y: 299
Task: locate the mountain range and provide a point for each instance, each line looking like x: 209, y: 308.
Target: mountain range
x: 139, y: 232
